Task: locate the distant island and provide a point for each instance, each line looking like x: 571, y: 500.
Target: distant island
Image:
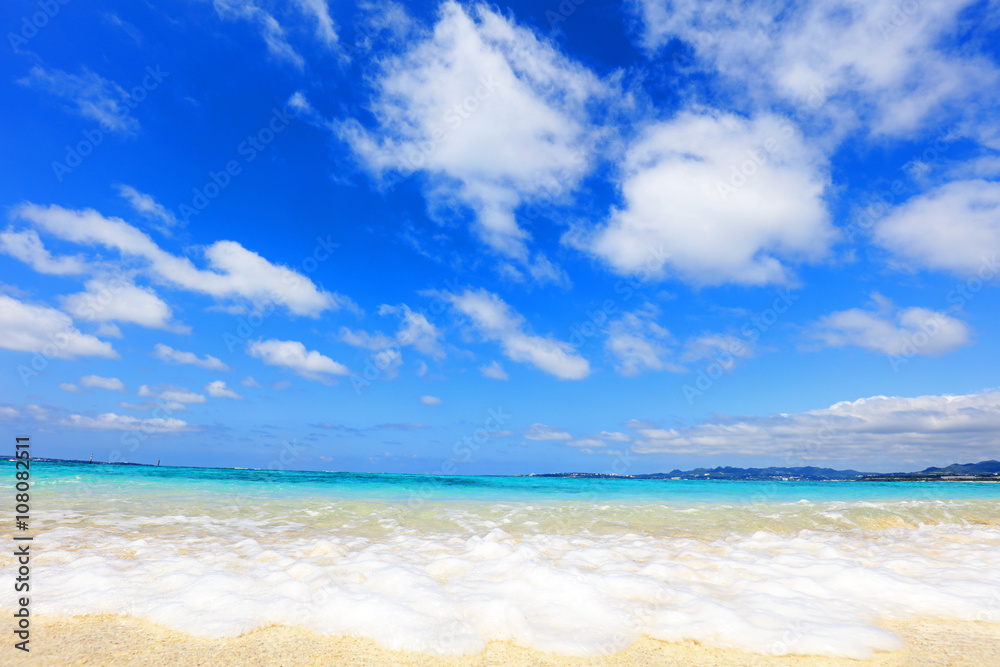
x: 987, y: 471
x: 984, y: 471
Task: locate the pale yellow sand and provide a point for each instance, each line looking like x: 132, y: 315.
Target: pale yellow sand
x: 119, y: 640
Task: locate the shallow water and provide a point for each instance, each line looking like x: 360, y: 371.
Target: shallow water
x: 574, y: 566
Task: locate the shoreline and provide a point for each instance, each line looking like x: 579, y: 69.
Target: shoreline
x: 109, y: 639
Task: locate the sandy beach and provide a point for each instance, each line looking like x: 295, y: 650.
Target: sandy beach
x: 120, y: 640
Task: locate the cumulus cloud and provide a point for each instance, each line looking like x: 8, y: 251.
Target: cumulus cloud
x: 218, y: 389
x: 69, y: 387
x: 893, y: 331
x: 495, y: 320
x: 114, y: 299
x: 234, y: 272
x: 430, y: 400
x: 968, y: 244
x: 248, y: 381
x: 171, y: 394
x: 614, y: 436
x: 47, y: 331
x: 26, y: 246
x: 715, y: 198
x: 492, y: 115
x: 494, y: 370
x: 888, y: 427
x: 110, y: 421
x: 91, y: 96
x: 293, y: 355
x: 546, y: 433
x: 846, y: 62
x: 169, y: 354
x: 111, y: 384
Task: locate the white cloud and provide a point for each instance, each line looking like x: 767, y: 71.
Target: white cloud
x: 7, y: 412
x: 639, y: 343
x: 363, y: 339
x: 725, y: 349
x: 169, y: 354
x: 494, y: 370
x: 893, y: 331
x: 546, y: 433
x: 26, y: 246
x: 147, y: 206
x: 722, y: 198
x: 846, y: 61
x: 119, y: 300
x: 270, y: 30
x: 108, y: 329
x: 248, y: 381
x: 234, y: 273
x: 494, y: 116
x: 588, y: 443
x: 495, y: 320
x: 326, y: 30
x: 111, y: 384
x: 881, y: 427
x: 110, y: 421
x: 293, y: 355
x: 968, y: 243
x: 37, y: 412
x: 415, y: 330
x: 430, y: 400
x: 171, y: 394
x: 69, y: 387
x: 614, y: 436
x: 46, y: 331
x: 218, y: 389
x: 92, y: 96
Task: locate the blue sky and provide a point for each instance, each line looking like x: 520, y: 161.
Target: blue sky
x: 510, y: 238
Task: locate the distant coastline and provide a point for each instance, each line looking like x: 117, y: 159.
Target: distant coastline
x: 984, y: 471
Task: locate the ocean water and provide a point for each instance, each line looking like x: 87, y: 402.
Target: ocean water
x: 573, y: 566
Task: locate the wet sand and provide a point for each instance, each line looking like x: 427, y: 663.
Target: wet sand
x: 120, y: 640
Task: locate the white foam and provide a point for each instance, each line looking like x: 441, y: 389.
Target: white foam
x: 542, y: 581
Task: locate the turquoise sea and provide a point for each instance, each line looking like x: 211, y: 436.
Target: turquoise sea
x: 573, y: 566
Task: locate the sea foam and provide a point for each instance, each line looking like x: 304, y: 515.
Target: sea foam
x: 577, y: 579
